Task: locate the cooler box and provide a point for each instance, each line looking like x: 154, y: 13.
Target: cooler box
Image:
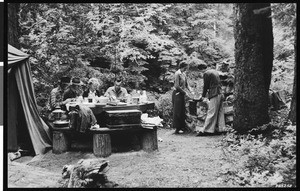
x: 123, y: 118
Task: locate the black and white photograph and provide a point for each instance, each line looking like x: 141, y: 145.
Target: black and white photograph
x: 150, y: 95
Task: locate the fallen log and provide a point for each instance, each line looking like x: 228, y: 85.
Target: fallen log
x: 87, y: 173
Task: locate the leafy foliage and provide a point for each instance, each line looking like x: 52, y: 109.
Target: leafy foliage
x: 142, y: 42
x: 266, y: 157
x: 284, y: 39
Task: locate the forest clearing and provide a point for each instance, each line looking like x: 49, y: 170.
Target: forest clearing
x: 151, y: 95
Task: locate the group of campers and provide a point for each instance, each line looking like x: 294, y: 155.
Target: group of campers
x: 69, y: 90
x: 212, y: 94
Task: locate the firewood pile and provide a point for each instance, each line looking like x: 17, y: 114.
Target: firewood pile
x: 87, y: 173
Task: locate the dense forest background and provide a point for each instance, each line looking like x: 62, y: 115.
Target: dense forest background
x: 142, y: 42
x: 145, y: 42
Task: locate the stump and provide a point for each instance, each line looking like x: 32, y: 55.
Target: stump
x: 149, y: 140
x: 101, y: 145
x: 61, y: 142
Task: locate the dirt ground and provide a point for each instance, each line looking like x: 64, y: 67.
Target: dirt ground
x: 181, y: 161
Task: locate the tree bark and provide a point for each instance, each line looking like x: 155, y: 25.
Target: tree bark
x: 292, y: 114
x: 254, y: 60
x: 13, y: 25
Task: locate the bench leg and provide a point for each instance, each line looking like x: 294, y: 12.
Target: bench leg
x: 61, y: 142
x: 101, y: 145
x: 149, y: 140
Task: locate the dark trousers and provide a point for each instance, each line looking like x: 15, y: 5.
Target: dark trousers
x: 178, y: 110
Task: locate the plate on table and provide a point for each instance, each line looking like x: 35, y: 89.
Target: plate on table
x: 100, y: 104
x: 121, y: 103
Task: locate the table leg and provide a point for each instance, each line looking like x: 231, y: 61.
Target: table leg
x: 149, y: 140
x: 61, y: 142
x: 101, y: 145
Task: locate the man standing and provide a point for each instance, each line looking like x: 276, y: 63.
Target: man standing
x: 116, y: 91
x: 215, y: 121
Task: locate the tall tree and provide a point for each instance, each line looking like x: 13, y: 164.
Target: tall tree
x: 13, y: 27
x: 254, y: 60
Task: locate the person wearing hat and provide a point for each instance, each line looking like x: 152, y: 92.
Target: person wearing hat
x: 215, y: 120
x: 56, y: 95
x: 178, y: 97
x: 92, y: 91
x: 74, y: 89
x: 116, y: 92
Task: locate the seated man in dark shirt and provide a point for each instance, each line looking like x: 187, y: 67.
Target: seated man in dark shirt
x: 116, y: 92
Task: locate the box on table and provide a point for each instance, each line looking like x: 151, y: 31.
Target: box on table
x: 122, y: 118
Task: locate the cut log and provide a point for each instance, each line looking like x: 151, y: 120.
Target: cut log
x: 101, y: 145
x: 61, y: 142
x: 149, y: 140
x: 87, y: 173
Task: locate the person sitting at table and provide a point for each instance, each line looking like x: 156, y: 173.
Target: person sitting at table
x: 56, y: 95
x: 92, y: 91
x: 74, y: 90
x: 116, y: 92
x: 56, y: 98
x: 81, y: 117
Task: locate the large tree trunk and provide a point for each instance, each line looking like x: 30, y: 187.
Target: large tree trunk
x: 13, y: 25
x: 254, y: 61
x: 292, y: 114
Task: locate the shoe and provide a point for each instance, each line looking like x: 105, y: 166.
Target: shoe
x: 200, y: 134
x: 181, y: 132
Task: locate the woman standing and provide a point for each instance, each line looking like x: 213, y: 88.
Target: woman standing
x: 178, y: 97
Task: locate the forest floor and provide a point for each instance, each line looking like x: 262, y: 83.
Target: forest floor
x: 182, y: 160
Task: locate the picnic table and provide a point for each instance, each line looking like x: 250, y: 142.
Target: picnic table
x: 102, y: 136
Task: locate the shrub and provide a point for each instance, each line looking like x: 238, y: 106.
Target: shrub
x: 262, y: 160
x: 165, y: 108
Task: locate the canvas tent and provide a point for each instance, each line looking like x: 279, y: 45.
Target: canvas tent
x: 24, y: 125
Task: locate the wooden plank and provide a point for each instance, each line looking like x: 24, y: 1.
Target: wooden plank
x: 112, y: 130
x: 124, y: 125
x: 101, y: 145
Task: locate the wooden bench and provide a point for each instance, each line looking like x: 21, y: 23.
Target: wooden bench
x: 102, y: 139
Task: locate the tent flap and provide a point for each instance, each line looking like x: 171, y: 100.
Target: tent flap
x: 38, y: 130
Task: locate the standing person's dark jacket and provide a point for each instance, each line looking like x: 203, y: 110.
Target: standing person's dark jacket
x: 212, y: 83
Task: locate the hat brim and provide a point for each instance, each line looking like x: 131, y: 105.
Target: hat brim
x: 78, y: 84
